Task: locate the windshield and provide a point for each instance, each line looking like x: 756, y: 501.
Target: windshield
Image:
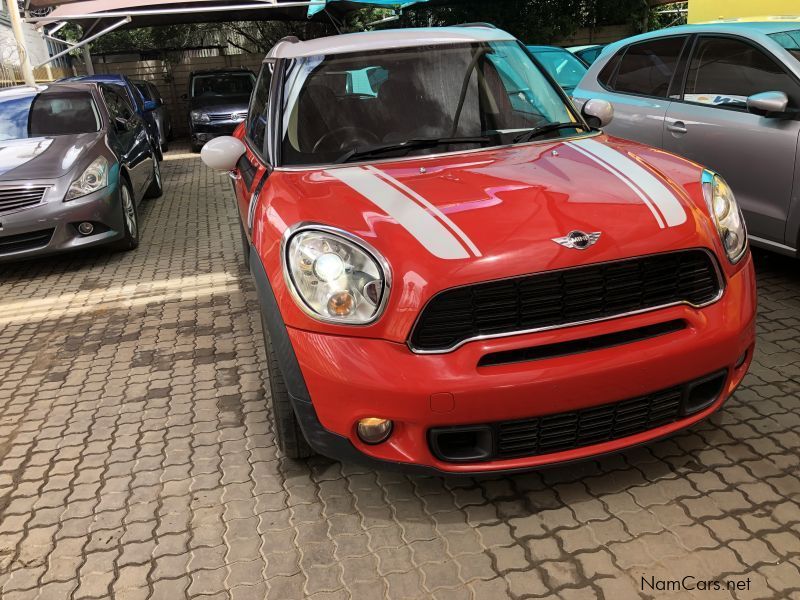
x: 49, y: 113
x: 563, y: 66
x: 436, y: 99
x: 222, y: 84
x: 789, y: 40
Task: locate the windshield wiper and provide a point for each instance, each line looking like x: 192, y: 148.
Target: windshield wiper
x: 527, y: 136
x: 409, y: 145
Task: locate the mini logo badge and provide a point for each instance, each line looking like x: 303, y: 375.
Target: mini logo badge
x: 578, y: 240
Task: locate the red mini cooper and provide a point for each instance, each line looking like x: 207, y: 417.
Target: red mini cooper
x: 458, y: 272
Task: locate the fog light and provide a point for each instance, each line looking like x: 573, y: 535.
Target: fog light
x: 374, y: 430
x: 85, y: 228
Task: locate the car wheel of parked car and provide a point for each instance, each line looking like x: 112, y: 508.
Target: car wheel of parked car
x: 130, y: 218
x: 288, y: 435
x: 196, y: 147
x: 156, y: 186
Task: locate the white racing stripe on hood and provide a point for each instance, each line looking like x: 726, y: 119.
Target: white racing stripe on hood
x: 634, y: 188
x: 659, y: 194
x: 420, y: 223
x: 442, y: 217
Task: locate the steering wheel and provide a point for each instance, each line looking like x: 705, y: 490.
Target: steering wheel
x: 356, y: 134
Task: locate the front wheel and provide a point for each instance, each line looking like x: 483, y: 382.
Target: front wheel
x: 156, y: 186
x: 130, y: 218
x: 288, y: 435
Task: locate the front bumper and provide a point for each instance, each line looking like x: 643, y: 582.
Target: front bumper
x: 201, y: 133
x: 352, y: 378
x: 51, y: 226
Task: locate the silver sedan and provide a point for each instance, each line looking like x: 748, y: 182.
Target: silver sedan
x: 725, y: 95
x: 75, y: 161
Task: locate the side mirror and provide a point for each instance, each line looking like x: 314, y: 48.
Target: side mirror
x: 150, y: 105
x: 768, y: 104
x: 222, y: 153
x: 598, y: 113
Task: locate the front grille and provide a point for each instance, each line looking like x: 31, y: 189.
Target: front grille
x: 17, y: 197
x: 220, y: 117
x: 25, y: 241
x: 565, y: 431
x: 566, y: 297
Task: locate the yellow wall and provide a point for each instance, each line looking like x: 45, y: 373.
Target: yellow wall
x: 711, y: 10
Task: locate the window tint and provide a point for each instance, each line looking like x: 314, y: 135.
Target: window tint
x: 117, y: 105
x: 222, y: 84
x: 258, y: 115
x: 725, y: 71
x: 607, y: 72
x: 789, y: 40
x: 647, y: 67
x: 488, y: 90
x: 48, y: 114
x: 155, y: 94
x: 144, y: 90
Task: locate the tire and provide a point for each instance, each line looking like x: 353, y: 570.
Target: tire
x: 156, y: 188
x: 196, y: 147
x: 164, y: 147
x: 130, y: 218
x: 245, y: 247
x: 288, y: 435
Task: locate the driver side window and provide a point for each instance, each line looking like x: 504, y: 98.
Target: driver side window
x: 724, y: 72
x: 258, y: 115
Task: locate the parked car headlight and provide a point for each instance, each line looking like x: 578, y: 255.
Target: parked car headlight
x: 94, y: 178
x: 335, y: 277
x: 726, y: 214
x: 198, y: 116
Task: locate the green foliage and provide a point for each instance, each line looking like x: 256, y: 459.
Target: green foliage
x: 532, y: 21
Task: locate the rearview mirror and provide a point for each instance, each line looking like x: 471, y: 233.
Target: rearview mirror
x: 150, y: 105
x: 768, y: 104
x: 598, y: 113
x: 222, y: 153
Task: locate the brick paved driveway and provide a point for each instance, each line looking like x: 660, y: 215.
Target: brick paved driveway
x: 137, y: 457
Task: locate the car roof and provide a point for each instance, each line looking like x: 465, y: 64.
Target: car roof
x: 387, y: 39
x: 762, y: 26
x: 586, y: 47
x: 546, y: 49
x: 72, y: 86
x: 214, y: 71
x: 104, y: 78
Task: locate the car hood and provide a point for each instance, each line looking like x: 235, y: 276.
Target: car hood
x: 45, y: 157
x: 463, y: 218
x: 221, y: 104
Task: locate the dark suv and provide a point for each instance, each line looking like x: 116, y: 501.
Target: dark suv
x: 218, y: 102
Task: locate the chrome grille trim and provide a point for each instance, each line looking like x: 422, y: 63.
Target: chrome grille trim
x: 18, y: 197
x: 722, y: 282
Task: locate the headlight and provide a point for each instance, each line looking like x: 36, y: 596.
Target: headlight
x: 94, y: 178
x: 726, y: 214
x: 198, y: 116
x: 335, y: 277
